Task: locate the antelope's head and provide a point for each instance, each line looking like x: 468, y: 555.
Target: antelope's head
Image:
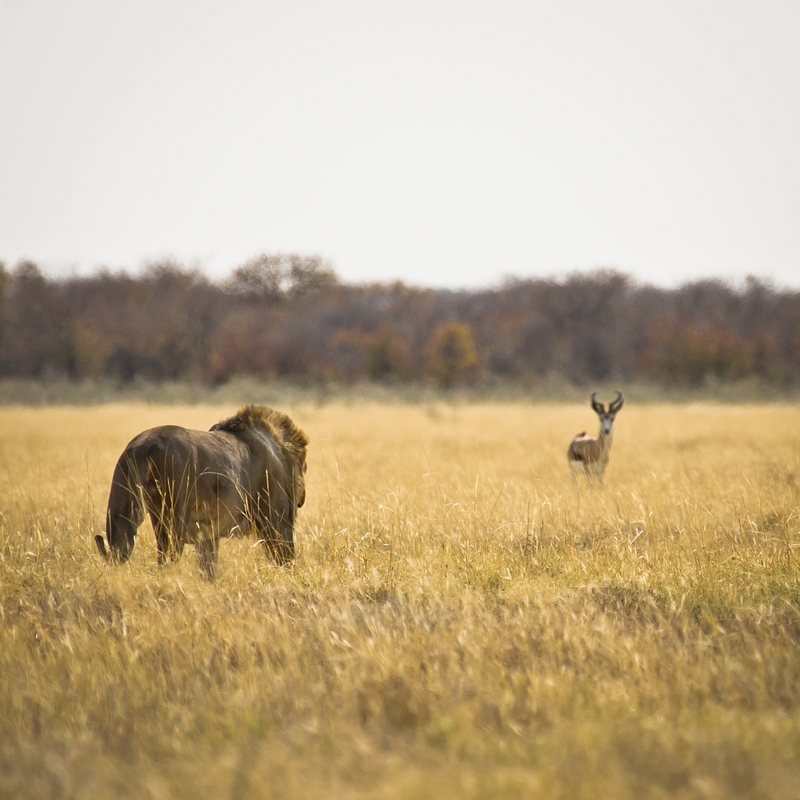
x: 607, y: 416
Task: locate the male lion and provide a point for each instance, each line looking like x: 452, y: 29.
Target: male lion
x: 245, y: 475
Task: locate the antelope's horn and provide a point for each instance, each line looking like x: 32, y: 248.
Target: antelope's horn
x: 616, y: 404
x: 597, y: 406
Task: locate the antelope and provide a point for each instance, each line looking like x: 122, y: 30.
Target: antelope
x: 588, y: 454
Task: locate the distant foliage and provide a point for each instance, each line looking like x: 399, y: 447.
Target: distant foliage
x: 452, y: 356
x: 288, y: 316
x: 692, y: 354
x: 275, y: 278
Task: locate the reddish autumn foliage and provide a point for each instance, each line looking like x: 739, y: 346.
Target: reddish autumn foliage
x: 288, y: 316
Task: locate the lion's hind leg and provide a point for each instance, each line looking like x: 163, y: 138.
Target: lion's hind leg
x: 168, y: 546
x: 160, y: 502
x: 207, y: 549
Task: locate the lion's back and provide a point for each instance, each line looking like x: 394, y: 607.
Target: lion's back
x: 181, y: 454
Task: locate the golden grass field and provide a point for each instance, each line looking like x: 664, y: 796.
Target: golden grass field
x: 461, y: 621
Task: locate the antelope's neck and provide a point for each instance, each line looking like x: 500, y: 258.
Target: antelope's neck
x: 604, y: 439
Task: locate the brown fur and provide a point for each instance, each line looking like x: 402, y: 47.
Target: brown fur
x: 276, y: 423
x: 589, y: 454
x: 245, y: 475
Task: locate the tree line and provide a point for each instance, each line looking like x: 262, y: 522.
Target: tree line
x: 290, y: 317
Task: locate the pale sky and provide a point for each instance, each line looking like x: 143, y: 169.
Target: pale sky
x: 441, y: 142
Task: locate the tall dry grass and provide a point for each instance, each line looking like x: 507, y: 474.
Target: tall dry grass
x: 461, y: 620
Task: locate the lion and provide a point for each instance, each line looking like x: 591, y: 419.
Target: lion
x: 246, y: 475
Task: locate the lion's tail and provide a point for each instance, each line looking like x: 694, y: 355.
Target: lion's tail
x: 125, y: 511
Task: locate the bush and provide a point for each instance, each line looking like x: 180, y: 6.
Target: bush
x: 452, y: 355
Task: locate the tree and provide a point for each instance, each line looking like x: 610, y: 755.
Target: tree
x: 452, y: 355
x: 282, y: 276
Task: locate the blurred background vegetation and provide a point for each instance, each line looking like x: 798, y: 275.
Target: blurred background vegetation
x: 288, y: 319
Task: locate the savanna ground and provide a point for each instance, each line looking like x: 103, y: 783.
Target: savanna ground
x: 460, y: 621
